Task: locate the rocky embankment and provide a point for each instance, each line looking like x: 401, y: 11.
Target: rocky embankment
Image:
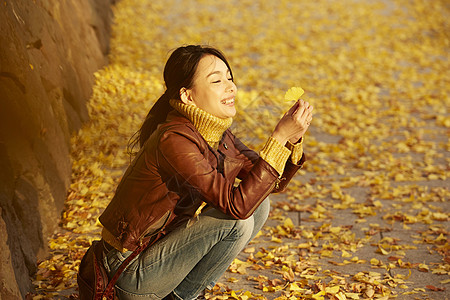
x: 49, y: 51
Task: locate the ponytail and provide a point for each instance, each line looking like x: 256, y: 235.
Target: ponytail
x: 157, y: 114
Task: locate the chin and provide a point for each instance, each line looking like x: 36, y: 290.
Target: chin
x: 230, y: 115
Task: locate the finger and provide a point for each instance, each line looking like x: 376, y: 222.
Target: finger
x: 309, y: 107
x: 304, y: 113
x: 300, y: 109
x: 308, y: 113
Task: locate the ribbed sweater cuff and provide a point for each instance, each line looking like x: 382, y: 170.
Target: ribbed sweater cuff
x: 275, y: 154
x: 297, y: 151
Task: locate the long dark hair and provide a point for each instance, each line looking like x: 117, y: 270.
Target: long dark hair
x: 179, y: 73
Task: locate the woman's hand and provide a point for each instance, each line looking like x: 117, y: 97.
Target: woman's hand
x: 294, y: 123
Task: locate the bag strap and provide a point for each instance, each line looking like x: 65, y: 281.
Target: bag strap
x: 110, y: 288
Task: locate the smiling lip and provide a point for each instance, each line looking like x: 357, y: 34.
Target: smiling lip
x: 228, y: 101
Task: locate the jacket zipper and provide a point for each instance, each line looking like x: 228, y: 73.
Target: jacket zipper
x: 275, y: 184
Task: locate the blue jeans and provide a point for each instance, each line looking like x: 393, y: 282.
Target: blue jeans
x: 189, y: 259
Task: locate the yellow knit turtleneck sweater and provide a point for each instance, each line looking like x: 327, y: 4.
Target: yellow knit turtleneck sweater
x: 210, y: 127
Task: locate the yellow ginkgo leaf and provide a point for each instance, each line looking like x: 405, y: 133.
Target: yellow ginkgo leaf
x: 332, y: 290
x: 293, y: 94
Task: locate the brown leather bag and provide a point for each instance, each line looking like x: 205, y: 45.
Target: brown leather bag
x: 92, y: 277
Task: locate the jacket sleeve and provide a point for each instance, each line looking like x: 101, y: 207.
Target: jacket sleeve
x: 179, y: 155
x: 288, y: 172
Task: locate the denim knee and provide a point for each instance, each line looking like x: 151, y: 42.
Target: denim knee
x: 242, y: 229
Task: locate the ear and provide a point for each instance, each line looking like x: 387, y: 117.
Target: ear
x: 186, y: 96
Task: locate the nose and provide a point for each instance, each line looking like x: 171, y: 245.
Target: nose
x: 231, y: 86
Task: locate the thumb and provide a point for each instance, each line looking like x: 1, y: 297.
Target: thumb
x: 293, y: 109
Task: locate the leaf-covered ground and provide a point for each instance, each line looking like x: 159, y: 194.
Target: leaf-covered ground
x: 368, y: 216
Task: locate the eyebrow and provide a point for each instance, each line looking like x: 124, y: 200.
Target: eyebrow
x: 217, y: 72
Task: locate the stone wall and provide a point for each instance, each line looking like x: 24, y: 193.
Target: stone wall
x: 49, y: 50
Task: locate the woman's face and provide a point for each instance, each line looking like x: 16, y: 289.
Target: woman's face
x: 213, y: 89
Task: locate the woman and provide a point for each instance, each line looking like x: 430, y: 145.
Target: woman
x: 180, y: 193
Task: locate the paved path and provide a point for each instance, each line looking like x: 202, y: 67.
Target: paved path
x: 368, y: 216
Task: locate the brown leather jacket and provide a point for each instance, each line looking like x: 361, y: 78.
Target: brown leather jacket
x: 175, y: 171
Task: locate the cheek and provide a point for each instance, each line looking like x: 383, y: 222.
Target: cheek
x: 203, y: 99
x: 210, y: 98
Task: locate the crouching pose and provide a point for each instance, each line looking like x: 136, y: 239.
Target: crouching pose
x: 179, y: 192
